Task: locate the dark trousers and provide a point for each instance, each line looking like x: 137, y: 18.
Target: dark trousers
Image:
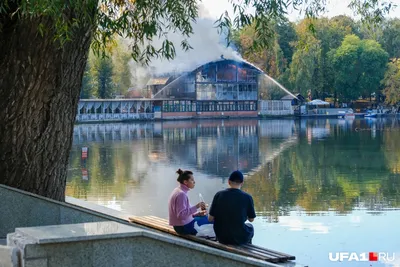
x: 252, y: 232
x: 188, y: 229
x: 231, y: 240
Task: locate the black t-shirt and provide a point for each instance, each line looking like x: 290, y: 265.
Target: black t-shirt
x: 230, y: 209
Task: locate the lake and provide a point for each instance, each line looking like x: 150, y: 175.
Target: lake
x: 319, y: 186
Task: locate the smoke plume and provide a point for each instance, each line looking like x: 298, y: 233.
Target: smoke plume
x: 207, y: 45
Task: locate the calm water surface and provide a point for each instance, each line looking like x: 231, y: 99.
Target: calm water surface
x: 319, y: 186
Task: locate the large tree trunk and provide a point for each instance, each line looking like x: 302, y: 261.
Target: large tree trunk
x: 40, y: 83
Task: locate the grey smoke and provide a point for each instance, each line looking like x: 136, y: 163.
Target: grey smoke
x: 207, y: 45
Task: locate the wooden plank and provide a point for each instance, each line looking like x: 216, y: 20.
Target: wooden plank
x: 147, y: 222
x: 262, y: 254
x: 160, y: 220
x: 245, y: 250
x: 265, y: 253
x: 262, y: 250
x: 162, y: 225
x: 290, y: 257
x: 250, y: 247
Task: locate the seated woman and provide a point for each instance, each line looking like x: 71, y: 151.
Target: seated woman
x: 182, y: 216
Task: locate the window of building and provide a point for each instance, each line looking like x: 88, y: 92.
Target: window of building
x: 240, y: 105
x: 179, y: 106
x: 206, y: 91
x: 247, y: 92
x: 242, y: 74
x: 206, y: 74
x: 189, y: 86
x: 226, y: 72
x: 232, y: 106
x: 183, y: 106
x: 253, y: 105
x: 188, y: 106
x: 99, y: 109
x: 108, y: 109
x: 251, y: 76
x: 165, y: 106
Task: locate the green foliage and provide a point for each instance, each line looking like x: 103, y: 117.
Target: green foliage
x: 373, y: 60
x: 104, y: 78
x: 347, y: 69
x: 305, y: 73
x: 372, y: 12
x: 330, y: 33
x: 359, y: 66
x: 121, y: 69
x: 118, y: 80
x: 267, y: 11
x: 391, y: 37
x: 140, y: 20
x: 391, y: 82
x: 87, y: 83
x: 322, y: 60
x: 143, y: 20
x: 286, y: 36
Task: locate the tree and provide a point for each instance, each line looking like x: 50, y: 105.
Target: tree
x: 391, y: 82
x: 331, y: 33
x: 391, y: 37
x: 305, y: 67
x: 359, y: 67
x: 47, y: 44
x: 87, y: 83
x: 347, y: 68
x: 121, y: 70
x: 104, y: 78
x: 272, y: 59
x: 373, y: 61
x: 286, y: 36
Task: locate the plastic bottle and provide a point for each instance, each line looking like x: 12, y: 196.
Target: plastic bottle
x: 202, y: 200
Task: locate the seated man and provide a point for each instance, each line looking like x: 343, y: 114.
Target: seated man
x: 229, y: 211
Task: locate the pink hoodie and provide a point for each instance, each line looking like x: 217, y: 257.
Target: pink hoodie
x: 180, y: 211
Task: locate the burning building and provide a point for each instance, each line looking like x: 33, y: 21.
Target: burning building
x: 222, y: 88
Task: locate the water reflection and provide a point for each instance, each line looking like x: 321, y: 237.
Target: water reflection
x: 313, y: 166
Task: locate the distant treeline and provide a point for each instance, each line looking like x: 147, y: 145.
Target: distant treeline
x: 337, y: 57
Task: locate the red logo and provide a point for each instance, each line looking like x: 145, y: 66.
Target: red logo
x: 373, y: 256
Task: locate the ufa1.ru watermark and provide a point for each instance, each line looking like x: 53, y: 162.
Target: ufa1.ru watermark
x: 365, y: 256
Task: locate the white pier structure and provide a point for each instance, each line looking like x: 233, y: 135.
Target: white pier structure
x: 114, y: 110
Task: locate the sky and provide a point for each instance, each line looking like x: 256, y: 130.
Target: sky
x: 214, y: 8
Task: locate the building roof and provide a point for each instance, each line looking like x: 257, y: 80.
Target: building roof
x: 158, y: 81
x: 287, y: 97
x: 232, y: 61
x: 134, y: 93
